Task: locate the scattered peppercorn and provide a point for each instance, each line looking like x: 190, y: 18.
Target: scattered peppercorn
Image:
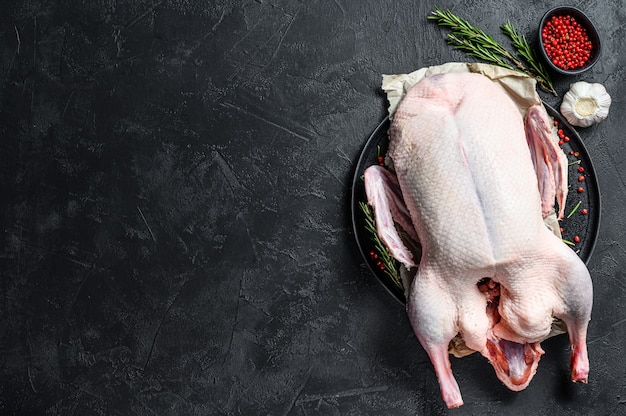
x: 584, y: 211
x: 581, y: 169
x: 577, y: 239
x: 580, y: 190
x: 581, y: 178
x: 566, y: 42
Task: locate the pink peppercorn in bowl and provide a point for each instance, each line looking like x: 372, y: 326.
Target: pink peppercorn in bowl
x: 568, y: 41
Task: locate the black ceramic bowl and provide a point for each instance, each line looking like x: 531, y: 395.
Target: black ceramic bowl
x: 590, y: 29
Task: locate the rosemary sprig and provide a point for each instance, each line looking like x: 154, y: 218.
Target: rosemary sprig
x: 485, y: 53
x: 470, y: 39
x: 478, y: 44
x: 391, y: 265
x: 526, y: 52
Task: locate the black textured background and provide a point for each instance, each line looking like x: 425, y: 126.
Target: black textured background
x: 176, y: 240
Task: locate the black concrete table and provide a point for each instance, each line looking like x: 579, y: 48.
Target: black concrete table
x: 176, y: 235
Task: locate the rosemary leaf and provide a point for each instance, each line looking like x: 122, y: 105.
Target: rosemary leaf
x: 574, y: 209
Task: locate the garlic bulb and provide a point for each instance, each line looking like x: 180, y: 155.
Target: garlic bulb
x: 585, y: 104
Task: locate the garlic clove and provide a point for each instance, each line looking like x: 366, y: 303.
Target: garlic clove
x: 585, y: 104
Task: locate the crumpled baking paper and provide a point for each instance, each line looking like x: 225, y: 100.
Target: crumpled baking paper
x: 520, y: 87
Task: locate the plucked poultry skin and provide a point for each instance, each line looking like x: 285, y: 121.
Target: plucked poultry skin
x: 473, y: 181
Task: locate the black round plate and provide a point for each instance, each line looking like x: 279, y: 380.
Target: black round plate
x: 583, y: 226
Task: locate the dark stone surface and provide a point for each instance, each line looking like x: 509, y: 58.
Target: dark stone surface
x: 175, y: 215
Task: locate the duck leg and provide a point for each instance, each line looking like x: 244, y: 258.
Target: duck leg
x: 576, y: 294
x: 433, y: 316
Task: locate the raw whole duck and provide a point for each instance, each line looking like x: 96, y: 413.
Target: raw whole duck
x: 472, y: 181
